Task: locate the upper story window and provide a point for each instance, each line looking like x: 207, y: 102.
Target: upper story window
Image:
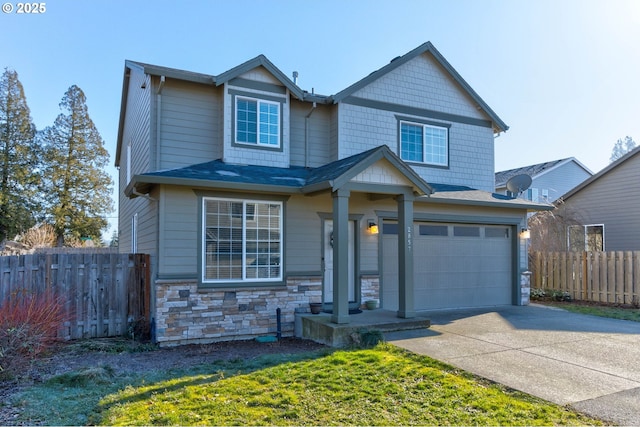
x: 257, y: 122
x: 424, y: 143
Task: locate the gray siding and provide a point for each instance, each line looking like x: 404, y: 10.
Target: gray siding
x: 560, y: 180
x: 136, y: 132
x: 421, y: 84
x: 178, y: 237
x: 613, y: 200
x: 310, y: 135
x: 189, y: 126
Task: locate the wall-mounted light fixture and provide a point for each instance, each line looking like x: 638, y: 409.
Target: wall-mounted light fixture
x: 525, y: 234
x: 372, y: 227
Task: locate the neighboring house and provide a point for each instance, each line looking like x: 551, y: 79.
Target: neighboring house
x: 252, y: 194
x: 608, y: 208
x: 549, y: 180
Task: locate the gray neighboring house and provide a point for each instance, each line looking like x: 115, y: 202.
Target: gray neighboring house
x: 608, y: 206
x: 252, y: 194
x: 550, y: 180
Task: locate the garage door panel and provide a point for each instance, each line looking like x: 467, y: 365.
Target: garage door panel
x: 469, y: 266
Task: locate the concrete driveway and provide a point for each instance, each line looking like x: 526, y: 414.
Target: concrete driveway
x: 589, y: 363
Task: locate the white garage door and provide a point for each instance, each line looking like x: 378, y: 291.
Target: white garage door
x: 455, y: 265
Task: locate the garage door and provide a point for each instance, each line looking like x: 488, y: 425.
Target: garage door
x: 455, y: 265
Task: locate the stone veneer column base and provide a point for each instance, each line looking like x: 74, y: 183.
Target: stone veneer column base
x: 187, y: 314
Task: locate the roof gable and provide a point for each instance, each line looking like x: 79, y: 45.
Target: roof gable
x: 536, y: 171
x: 498, y: 124
x: 632, y: 156
x: 260, y: 61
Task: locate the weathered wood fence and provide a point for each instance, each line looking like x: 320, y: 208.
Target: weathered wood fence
x: 612, y: 277
x: 103, y: 293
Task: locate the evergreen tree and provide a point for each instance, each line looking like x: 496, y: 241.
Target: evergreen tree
x: 19, y: 160
x: 78, y: 188
x: 621, y: 148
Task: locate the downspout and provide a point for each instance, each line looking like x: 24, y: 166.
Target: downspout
x: 158, y: 119
x: 306, y: 133
x: 158, y: 157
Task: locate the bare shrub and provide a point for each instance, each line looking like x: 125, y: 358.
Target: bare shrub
x: 29, y: 324
x: 42, y: 236
x: 549, y: 229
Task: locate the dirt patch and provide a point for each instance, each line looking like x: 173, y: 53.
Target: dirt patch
x: 128, y: 356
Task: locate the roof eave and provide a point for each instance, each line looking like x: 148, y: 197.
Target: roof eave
x: 505, y: 204
x: 142, y: 184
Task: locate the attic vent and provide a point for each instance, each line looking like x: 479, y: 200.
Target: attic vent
x: 395, y: 59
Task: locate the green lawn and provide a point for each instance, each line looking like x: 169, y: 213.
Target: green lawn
x: 597, y: 310
x: 380, y: 386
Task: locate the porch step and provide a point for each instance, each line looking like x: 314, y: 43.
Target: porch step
x: 320, y: 328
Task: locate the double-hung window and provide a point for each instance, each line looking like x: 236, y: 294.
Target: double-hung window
x: 242, y: 240
x: 257, y: 122
x: 424, y: 143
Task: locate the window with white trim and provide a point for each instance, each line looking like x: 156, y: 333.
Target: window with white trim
x: 424, y: 143
x: 586, y: 237
x: 257, y: 122
x: 242, y: 240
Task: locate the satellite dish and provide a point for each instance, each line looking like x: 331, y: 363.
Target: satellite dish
x: 519, y: 183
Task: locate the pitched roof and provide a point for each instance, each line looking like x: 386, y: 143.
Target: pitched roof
x: 332, y: 176
x: 534, y: 171
x: 612, y: 166
x: 273, y: 179
x: 462, y: 195
x: 498, y: 124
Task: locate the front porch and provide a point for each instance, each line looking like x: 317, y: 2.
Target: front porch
x: 320, y: 327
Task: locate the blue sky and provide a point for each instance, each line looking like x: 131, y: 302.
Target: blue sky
x: 563, y: 74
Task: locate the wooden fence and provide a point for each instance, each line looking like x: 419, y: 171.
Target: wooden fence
x: 104, y: 294
x: 612, y: 277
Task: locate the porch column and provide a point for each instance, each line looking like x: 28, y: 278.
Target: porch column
x: 405, y: 256
x: 340, y: 256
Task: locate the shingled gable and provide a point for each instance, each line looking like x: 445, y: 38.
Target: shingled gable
x: 330, y: 177
x: 498, y: 124
x: 256, y: 62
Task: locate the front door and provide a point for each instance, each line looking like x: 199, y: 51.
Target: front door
x: 328, y: 263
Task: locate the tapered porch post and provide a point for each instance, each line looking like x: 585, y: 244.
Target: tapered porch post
x: 340, y: 256
x: 405, y: 256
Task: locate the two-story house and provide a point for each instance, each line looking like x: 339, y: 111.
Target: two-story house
x: 549, y: 180
x: 252, y: 194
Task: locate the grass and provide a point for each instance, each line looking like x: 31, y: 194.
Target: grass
x: 380, y: 386
x: 599, y: 310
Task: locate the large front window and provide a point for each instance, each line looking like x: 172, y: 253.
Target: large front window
x: 242, y: 240
x: 257, y: 122
x: 424, y: 143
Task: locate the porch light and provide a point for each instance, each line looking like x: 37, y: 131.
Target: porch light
x: 373, y: 227
x: 525, y: 234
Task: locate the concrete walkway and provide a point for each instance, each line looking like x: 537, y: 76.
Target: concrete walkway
x: 589, y: 363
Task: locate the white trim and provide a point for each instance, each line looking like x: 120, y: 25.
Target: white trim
x: 424, y: 127
x: 245, y: 203
x: 258, y: 102
x: 134, y: 233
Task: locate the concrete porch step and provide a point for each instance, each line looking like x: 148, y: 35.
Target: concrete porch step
x: 320, y: 328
